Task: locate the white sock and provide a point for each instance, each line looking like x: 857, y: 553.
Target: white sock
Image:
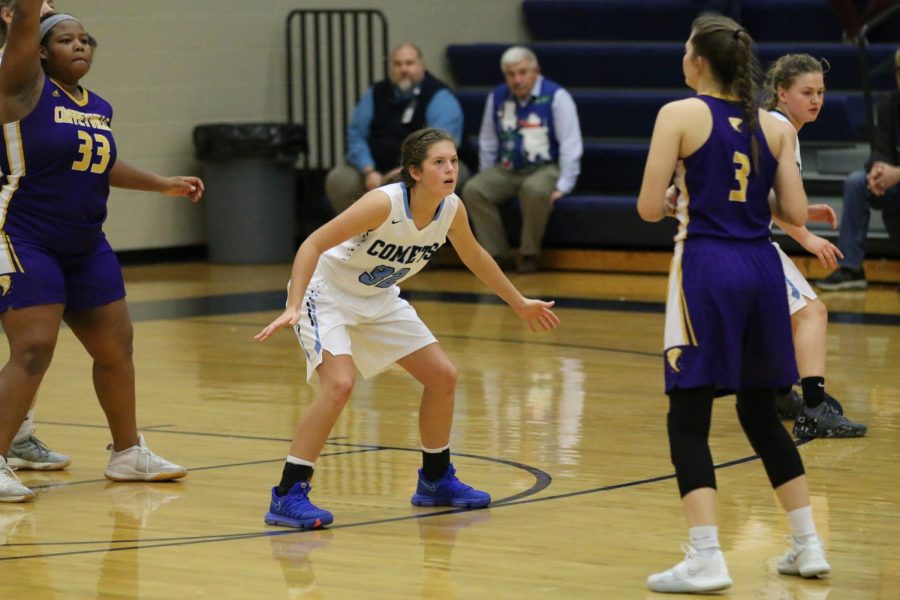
x: 435, y: 450
x: 299, y: 461
x: 27, y: 427
x: 705, y: 539
x: 802, y: 527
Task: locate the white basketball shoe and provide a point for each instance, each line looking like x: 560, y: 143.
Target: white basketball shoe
x: 11, y: 489
x: 805, y: 560
x: 694, y: 574
x: 138, y: 463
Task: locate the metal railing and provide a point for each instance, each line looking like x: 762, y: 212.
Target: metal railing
x: 333, y: 56
x: 862, y: 44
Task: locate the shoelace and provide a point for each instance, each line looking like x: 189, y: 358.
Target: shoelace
x: 689, y: 551
x: 41, y: 446
x: 460, y: 485
x: 11, y: 469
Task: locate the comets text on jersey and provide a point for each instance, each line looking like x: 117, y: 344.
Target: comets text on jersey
x: 63, y: 114
x: 405, y: 255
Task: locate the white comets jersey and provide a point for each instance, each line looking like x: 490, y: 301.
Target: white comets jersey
x: 375, y: 261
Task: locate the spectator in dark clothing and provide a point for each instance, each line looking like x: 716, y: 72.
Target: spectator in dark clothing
x: 876, y: 187
x: 408, y: 100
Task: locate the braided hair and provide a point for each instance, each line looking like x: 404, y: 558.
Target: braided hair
x: 728, y: 48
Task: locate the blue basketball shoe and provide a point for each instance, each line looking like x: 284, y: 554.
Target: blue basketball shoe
x: 448, y: 491
x: 295, y: 510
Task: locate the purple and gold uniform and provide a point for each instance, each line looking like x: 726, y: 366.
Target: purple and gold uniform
x: 727, y: 321
x: 53, y: 192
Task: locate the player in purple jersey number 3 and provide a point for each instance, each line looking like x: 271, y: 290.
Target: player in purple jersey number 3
x: 58, y: 162
x: 727, y: 321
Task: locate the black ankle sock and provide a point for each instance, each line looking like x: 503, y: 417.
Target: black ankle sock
x: 434, y: 464
x: 813, y: 391
x: 783, y: 391
x: 292, y: 474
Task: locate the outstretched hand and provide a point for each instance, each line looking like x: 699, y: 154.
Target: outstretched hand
x: 827, y: 252
x: 188, y: 187
x: 537, y: 313
x: 288, y: 318
x: 822, y: 213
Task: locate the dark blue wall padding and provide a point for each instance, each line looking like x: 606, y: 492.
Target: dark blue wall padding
x: 631, y: 114
x: 605, y: 221
x: 646, y: 20
x: 610, y: 113
x: 595, y: 221
x: 614, y: 167
x: 609, y: 19
x: 649, y: 65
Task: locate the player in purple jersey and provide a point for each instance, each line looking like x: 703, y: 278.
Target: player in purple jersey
x: 344, y: 304
x: 59, y: 161
x: 727, y: 322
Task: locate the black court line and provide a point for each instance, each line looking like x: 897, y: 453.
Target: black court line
x: 274, y: 300
x: 511, y: 501
x: 542, y: 481
x: 193, y: 469
x: 262, y: 301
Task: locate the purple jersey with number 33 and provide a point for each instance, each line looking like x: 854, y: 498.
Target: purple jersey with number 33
x: 55, y: 168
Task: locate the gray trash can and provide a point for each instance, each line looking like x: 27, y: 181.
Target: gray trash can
x: 251, y: 191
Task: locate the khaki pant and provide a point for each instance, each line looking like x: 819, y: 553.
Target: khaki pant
x: 489, y: 189
x: 344, y: 185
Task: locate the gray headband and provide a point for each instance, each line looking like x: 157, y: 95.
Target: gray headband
x: 51, y: 22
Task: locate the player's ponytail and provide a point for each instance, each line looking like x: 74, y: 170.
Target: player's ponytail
x: 729, y: 50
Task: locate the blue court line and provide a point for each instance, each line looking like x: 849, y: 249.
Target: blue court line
x: 274, y: 301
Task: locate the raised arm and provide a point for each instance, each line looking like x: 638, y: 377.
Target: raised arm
x: 365, y: 214
x: 21, y: 76
x: 536, y: 313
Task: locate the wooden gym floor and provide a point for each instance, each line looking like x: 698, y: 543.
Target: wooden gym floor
x: 566, y: 431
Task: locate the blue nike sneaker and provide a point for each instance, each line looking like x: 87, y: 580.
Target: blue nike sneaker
x: 448, y: 491
x: 295, y: 510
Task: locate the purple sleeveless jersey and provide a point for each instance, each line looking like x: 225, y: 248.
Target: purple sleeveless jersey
x: 727, y: 321
x: 54, y: 186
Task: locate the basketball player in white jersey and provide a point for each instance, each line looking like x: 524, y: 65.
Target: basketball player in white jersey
x: 344, y: 304
x: 796, y: 88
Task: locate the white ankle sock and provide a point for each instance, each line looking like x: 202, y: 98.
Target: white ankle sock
x: 27, y: 427
x: 802, y: 527
x: 705, y: 539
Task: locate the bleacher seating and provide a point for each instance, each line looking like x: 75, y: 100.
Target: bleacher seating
x: 621, y: 60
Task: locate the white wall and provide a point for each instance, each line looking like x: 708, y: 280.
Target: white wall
x: 168, y: 65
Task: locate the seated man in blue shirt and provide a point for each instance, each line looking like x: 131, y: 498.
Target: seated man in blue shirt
x: 529, y: 146
x: 410, y: 99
